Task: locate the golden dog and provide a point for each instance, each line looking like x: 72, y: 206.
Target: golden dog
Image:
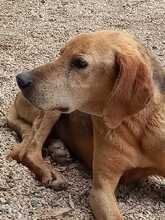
x: 114, y: 91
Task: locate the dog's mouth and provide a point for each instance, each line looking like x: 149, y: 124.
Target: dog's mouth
x: 59, y: 108
x: 62, y: 109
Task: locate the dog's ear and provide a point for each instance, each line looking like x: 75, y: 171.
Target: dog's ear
x: 132, y: 90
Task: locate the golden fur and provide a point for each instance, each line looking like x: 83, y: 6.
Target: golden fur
x: 119, y: 127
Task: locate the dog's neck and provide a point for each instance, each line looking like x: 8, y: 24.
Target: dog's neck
x: 148, y: 123
x: 138, y: 125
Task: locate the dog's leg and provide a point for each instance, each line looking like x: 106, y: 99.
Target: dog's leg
x: 29, y: 151
x: 23, y: 129
x: 41, y: 130
x: 103, y: 200
x: 108, y: 167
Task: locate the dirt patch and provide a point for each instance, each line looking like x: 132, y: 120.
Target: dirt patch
x: 31, y: 33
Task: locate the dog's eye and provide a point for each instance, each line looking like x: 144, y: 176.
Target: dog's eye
x: 79, y: 63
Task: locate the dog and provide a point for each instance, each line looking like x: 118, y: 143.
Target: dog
x: 105, y: 95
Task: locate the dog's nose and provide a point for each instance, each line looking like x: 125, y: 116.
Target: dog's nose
x: 24, y: 80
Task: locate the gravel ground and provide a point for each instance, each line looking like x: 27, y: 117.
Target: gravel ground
x: 31, y: 33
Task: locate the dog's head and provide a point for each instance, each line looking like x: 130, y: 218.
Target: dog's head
x: 102, y: 73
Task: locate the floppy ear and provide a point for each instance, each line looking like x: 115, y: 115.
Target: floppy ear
x: 132, y: 90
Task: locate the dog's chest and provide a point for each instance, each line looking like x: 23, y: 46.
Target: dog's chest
x: 154, y: 134
x: 145, y: 133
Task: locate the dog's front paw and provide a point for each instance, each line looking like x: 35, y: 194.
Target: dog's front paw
x: 47, y: 175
